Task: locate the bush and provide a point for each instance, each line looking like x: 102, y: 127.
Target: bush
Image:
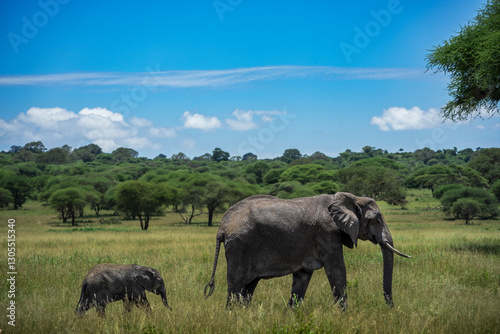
x: 325, y: 187
x: 495, y: 189
x: 110, y: 221
x: 466, y: 208
x: 488, y: 204
x: 439, y: 192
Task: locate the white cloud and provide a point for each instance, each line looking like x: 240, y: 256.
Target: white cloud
x: 58, y: 126
x: 102, y: 112
x: 162, y: 132
x: 199, y: 121
x: 397, y: 118
x: 244, y: 120
x: 140, y: 122
x: 47, y: 117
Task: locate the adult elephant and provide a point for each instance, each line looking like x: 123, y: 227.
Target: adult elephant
x: 107, y: 283
x: 267, y: 237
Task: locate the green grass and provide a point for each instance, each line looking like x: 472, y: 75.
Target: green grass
x: 450, y: 285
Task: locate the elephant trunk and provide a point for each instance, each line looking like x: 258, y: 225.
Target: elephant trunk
x: 388, y: 257
x: 163, y: 294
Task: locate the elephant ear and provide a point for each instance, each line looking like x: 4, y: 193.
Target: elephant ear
x: 145, y: 278
x: 345, y: 213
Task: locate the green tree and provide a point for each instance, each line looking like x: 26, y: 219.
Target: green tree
x: 67, y: 202
x: 379, y: 183
x: 471, y: 59
x: 302, y: 173
x: 325, y: 187
x: 487, y: 162
x: 18, y: 185
x: 35, y: 147
x: 432, y: 177
x: 290, y: 155
x: 495, y: 189
x: 124, y: 154
x: 259, y: 169
x: 141, y: 199
x: 488, y: 204
x: 5, y: 198
x: 273, y: 176
x: 219, y: 155
x: 56, y: 156
x: 466, y: 208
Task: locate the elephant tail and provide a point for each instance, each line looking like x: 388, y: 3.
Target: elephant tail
x: 210, y: 287
x: 81, y: 303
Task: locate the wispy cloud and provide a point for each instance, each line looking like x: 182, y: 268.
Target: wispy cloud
x: 213, y: 78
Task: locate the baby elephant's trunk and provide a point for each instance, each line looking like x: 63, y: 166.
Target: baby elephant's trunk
x: 163, y: 294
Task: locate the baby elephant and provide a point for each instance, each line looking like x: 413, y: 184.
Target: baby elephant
x: 106, y: 283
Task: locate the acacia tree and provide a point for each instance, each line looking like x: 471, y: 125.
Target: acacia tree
x: 141, y: 199
x: 67, y: 202
x: 466, y: 208
x: 472, y: 60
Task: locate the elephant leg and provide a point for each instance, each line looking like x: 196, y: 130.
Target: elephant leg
x: 102, y: 299
x: 300, y: 283
x: 143, y: 303
x: 248, y: 291
x: 336, y: 272
x: 101, y: 308
x: 128, y: 304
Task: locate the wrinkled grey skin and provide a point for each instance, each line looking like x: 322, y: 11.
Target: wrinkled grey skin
x: 267, y: 237
x: 106, y: 283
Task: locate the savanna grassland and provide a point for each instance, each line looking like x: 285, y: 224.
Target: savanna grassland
x: 450, y: 285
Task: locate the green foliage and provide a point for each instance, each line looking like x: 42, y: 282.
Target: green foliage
x: 495, y: 189
x: 259, y: 169
x: 466, y: 208
x: 471, y: 60
x: 290, y: 155
x: 17, y: 185
x: 432, y: 177
x: 141, y: 199
x: 379, y: 183
x: 5, y: 198
x: 219, y: 155
x: 488, y: 205
x: 439, y: 192
x: 67, y: 201
x: 487, y: 162
x: 302, y: 173
x: 273, y: 176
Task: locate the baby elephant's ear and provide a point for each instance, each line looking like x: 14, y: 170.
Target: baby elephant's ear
x: 345, y: 213
x: 145, y: 278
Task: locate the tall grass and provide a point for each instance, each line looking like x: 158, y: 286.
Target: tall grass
x: 450, y: 285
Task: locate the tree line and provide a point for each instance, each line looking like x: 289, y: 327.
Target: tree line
x: 467, y: 182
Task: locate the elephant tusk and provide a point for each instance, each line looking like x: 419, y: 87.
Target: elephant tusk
x: 394, y: 250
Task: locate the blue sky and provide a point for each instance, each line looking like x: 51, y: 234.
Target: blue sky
x: 245, y: 76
